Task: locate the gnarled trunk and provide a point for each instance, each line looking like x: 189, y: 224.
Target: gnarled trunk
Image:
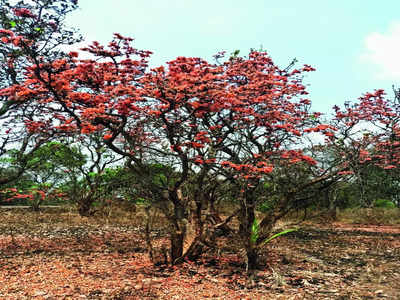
x: 247, y: 218
x: 178, y: 230
x: 176, y: 239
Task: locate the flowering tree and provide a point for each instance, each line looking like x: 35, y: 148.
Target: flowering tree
x: 257, y: 125
x: 30, y: 33
x: 367, y: 135
x: 244, y: 122
x: 235, y: 119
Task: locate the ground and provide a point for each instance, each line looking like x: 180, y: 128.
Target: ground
x: 53, y: 255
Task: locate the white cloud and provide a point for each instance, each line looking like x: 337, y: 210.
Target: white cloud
x: 382, y: 51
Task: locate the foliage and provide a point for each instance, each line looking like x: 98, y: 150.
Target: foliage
x: 45, y: 171
x: 278, y: 235
x: 30, y: 32
x: 255, y: 229
x: 384, y: 203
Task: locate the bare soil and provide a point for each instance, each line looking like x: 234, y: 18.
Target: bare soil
x: 64, y: 256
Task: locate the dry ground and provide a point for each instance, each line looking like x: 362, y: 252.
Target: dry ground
x: 59, y: 255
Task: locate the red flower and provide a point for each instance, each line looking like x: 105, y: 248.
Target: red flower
x: 328, y: 133
x: 195, y: 105
x: 154, y: 112
x: 345, y: 173
x: 309, y: 159
x: 389, y: 167
x: 322, y: 127
x: 23, y: 12
x: 73, y: 54
x: 6, y: 32
x: 199, y: 161
x: 17, y: 41
x: 197, y: 145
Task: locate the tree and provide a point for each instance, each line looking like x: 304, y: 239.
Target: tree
x: 92, y: 184
x: 192, y: 127
x: 257, y: 126
x: 233, y: 119
x: 367, y: 137
x: 30, y: 33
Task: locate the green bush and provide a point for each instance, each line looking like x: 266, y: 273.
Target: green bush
x: 264, y: 207
x: 383, y: 203
x: 141, y: 201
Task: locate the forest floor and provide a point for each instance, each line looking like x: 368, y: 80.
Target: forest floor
x: 59, y: 255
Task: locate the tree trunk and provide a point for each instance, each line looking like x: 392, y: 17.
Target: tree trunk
x: 177, y: 239
x: 195, y: 249
x: 332, y: 209
x: 252, y: 259
x: 84, y: 207
x: 223, y: 230
x: 247, y: 218
x: 178, y: 231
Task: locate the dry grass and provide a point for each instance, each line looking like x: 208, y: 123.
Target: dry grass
x: 68, y: 215
x: 373, y: 216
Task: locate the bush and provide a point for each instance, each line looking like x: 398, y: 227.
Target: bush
x: 383, y: 203
x: 264, y: 207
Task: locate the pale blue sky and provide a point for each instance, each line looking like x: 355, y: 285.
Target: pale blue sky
x: 353, y: 44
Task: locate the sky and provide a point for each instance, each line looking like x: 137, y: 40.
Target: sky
x: 353, y: 44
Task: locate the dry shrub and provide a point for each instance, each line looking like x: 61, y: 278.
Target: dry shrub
x: 373, y: 216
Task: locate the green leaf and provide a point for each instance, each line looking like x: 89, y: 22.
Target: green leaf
x: 34, y: 161
x: 279, y: 234
x: 160, y: 179
x: 13, y: 24
x: 38, y: 29
x: 267, y: 185
x: 255, y: 228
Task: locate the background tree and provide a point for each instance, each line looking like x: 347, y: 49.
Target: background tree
x: 367, y: 137
x: 92, y: 183
x: 30, y: 33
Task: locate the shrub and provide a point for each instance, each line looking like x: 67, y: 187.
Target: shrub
x: 383, y: 203
x: 264, y: 207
